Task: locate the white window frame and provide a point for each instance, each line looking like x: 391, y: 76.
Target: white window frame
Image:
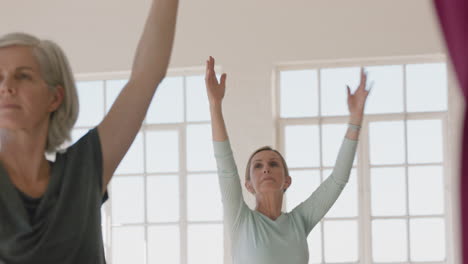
x: 183, y: 171
x: 450, y: 160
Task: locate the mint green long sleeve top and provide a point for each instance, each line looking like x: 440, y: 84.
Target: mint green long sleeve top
x: 257, y: 239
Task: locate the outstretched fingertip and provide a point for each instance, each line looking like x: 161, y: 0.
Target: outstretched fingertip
x: 223, y: 77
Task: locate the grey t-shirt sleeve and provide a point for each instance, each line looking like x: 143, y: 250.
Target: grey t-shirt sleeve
x: 229, y: 182
x: 90, y: 143
x: 312, y: 210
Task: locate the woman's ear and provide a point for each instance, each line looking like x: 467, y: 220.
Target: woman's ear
x: 248, y: 185
x: 57, y: 98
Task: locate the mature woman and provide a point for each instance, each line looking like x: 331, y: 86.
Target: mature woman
x: 266, y: 235
x: 50, y: 211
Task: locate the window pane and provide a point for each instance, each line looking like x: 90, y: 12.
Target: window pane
x: 200, y: 155
x: 204, y: 198
x: 333, y: 89
x: 113, y: 88
x: 76, y: 134
x: 205, y: 244
x: 424, y: 141
x: 168, y: 103
x: 127, y: 200
x: 128, y: 245
x: 428, y: 81
x: 388, y: 191
x: 104, y: 225
x: 91, y: 100
x: 341, y: 241
x: 162, y: 151
x: 198, y: 107
x: 389, y: 243
x: 299, y: 93
x: 315, y: 244
x: 163, y: 198
x: 427, y: 238
x: 303, y: 185
x: 426, y: 190
x: 332, y: 138
x: 163, y: 245
x: 387, y: 142
x: 387, y: 91
x: 347, y: 203
x: 133, y: 159
x: 302, y: 146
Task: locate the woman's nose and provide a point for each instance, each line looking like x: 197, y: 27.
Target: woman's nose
x: 6, y: 86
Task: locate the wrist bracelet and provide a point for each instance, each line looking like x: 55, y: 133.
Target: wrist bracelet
x: 354, y: 127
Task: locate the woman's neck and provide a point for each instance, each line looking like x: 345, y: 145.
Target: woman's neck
x: 269, y: 204
x: 22, y: 154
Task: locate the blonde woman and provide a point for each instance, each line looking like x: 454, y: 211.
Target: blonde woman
x: 266, y: 235
x: 50, y: 211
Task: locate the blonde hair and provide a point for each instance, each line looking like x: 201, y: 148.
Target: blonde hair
x: 55, y: 71
x: 265, y: 148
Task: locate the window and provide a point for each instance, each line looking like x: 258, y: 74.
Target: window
x: 393, y: 209
x: 165, y: 204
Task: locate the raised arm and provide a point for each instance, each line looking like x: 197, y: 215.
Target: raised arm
x: 120, y: 126
x: 229, y: 181
x: 216, y: 91
x: 322, y: 199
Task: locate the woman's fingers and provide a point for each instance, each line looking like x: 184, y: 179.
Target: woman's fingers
x: 210, y: 77
x: 210, y: 73
x: 212, y: 64
x: 363, y: 75
x: 207, y: 71
x: 223, y: 80
x: 362, y: 83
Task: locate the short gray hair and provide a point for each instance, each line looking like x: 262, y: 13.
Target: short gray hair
x: 55, y: 70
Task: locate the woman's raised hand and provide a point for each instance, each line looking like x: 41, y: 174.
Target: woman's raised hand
x: 357, y: 101
x: 214, y: 88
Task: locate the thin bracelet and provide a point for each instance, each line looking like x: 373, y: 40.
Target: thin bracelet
x: 354, y: 127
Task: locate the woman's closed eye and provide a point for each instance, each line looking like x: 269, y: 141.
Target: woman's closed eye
x: 23, y: 76
x: 274, y: 164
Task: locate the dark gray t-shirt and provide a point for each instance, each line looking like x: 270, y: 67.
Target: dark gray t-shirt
x: 66, y: 225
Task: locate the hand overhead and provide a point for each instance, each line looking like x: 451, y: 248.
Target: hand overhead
x: 215, y: 89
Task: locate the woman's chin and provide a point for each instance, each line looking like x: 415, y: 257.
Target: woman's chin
x: 269, y: 188
x: 9, y: 124
x: 12, y: 127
